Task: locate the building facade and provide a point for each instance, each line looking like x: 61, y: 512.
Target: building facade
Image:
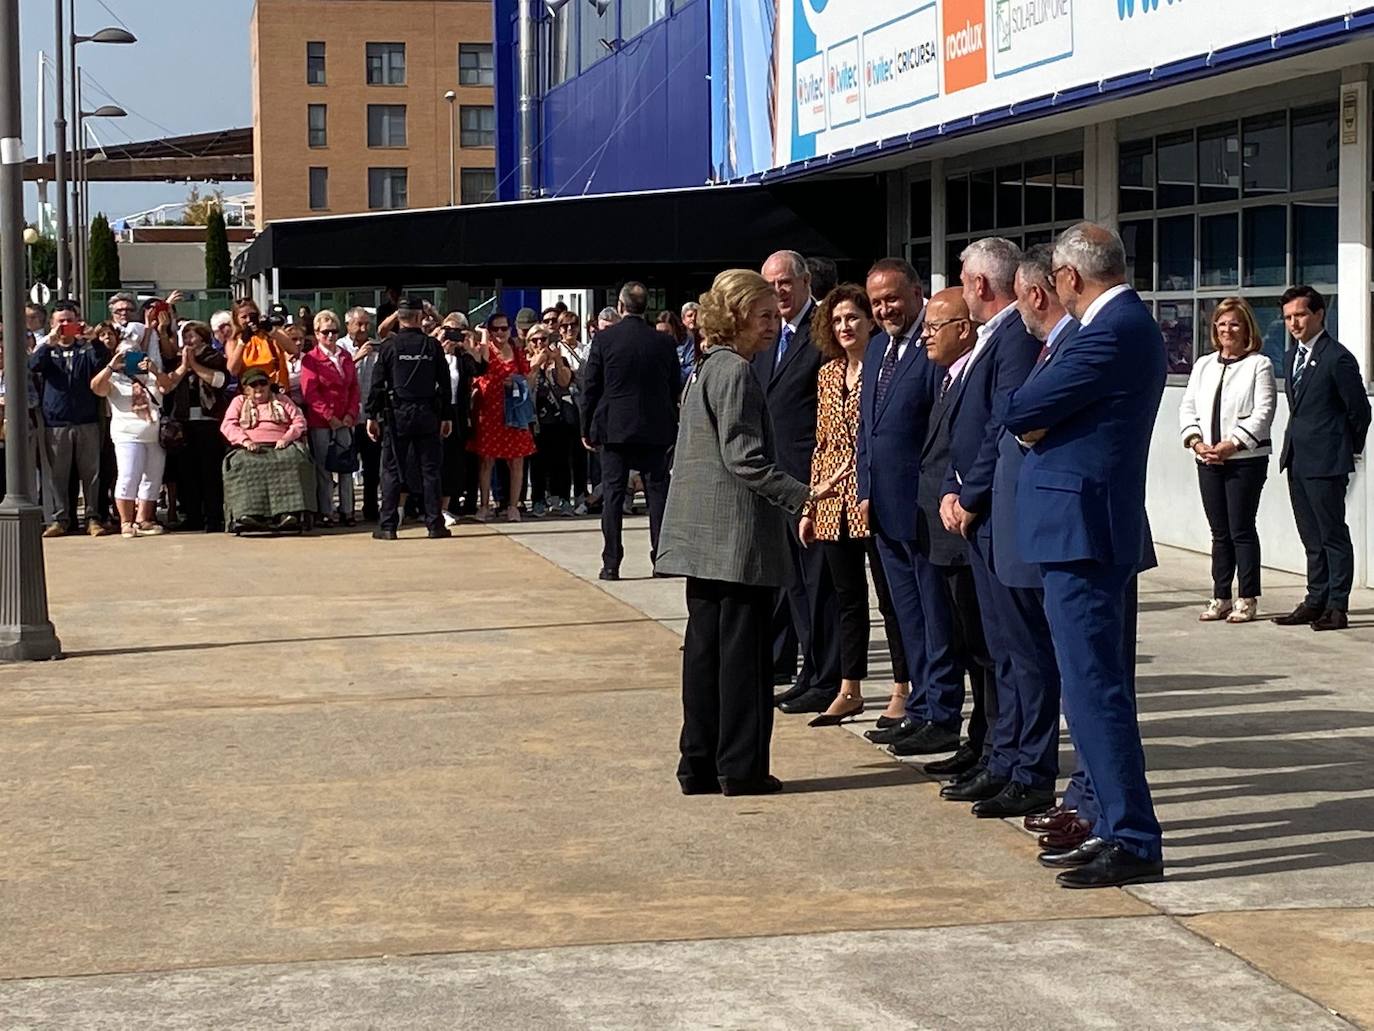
x: 1230, y: 143
x: 350, y: 111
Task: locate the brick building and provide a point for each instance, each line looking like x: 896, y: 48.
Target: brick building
x: 349, y: 108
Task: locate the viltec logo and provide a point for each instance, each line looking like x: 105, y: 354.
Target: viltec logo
x: 965, y: 51
x: 844, y: 79
x: 810, y: 89
x: 1126, y: 8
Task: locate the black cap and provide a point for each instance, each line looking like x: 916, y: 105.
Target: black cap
x: 410, y: 304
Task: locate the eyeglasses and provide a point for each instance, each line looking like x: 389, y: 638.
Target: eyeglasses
x: 929, y: 329
x: 498, y: 329
x: 1054, y: 272
x: 551, y: 320
x: 121, y: 311
x: 327, y: 332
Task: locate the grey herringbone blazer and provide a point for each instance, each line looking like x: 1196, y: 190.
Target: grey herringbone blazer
x: 725, y: 517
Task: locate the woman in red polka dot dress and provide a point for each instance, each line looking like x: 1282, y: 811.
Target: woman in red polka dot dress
x: 494, y: 439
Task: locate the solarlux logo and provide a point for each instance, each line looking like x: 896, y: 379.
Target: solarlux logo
x: 1126, y: 8
x: 845, y: 78
x: 965, y: 29
x: 810, y: 89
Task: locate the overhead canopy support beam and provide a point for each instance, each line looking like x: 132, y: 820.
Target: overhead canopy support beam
x: 152, y: 170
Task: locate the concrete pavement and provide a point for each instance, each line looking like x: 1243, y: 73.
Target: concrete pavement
x: 334, y: 783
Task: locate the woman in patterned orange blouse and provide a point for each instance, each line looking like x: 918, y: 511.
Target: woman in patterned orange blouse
x: 840, y: 328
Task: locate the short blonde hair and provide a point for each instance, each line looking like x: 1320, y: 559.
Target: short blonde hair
x: 724, y: 309
x: 1241, y: 307
x: 325, y: 315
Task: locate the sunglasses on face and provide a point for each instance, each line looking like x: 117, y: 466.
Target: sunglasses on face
x: 328, y: 332
x: 498, y: 329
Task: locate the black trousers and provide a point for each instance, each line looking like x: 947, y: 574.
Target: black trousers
x: 815, y: 612
x: 200, y: 489
x: 727, y: 686
x: 844, y: 559
x: 370, y: 456
x: 616, y: 462
x: 1319, y: 511
x: 1231, y: 497
x: 551, y: 468
x: 970, y: 648
x: 402, y: 452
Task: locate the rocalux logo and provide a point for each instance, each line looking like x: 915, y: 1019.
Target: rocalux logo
x: 969, y: 40
x: 1126, y: 8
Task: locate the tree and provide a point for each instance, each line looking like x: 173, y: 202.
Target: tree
x: 45, y: 261
x: 217, y: 271
x: 196, y: 209
x: 103, y: 261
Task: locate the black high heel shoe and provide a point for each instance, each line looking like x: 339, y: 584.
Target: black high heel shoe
x: 834, y: 719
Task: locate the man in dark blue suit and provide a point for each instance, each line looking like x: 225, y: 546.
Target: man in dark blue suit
x: 997, y: 365
x: 1088, y: 416
x: 899, y: 388
x: 1328, y: 419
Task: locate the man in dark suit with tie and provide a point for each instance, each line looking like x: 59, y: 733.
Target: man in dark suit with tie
x: 999, y: 363
x: 629, y: 412
x: 788, y: 372
x: 1328, y: 419
x: 899, y: 388
x: 1088, y: 416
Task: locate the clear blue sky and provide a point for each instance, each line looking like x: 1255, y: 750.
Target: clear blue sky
x: 189, y: 72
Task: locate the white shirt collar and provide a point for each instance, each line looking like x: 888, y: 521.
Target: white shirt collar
x: 796, y: 321
x: 1058, y: 329
x: 988, y: 328
x: 1105, y: 299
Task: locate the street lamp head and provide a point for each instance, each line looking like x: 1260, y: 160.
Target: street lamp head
x: 106, y: 111
x: 30, y: 235
x: 109, y: 36
x: 450, y: 96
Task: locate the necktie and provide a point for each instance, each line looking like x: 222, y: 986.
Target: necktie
x: 1300, y: 365
x: 946, y: 383
x: 783, y: 341
x: 1044, y: 353
x: 885, y: 372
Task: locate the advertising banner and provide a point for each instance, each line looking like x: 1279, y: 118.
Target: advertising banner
x: 842, y: 73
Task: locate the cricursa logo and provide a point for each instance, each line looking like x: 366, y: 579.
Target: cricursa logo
x: 888, y: 67
x: 1126, y: 8
x: 966, y: 58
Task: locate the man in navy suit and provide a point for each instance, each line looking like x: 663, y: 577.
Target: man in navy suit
x: 1088, y: 417
x: 998, y: 364
x: 899, y: 389
x: 1328, y: 419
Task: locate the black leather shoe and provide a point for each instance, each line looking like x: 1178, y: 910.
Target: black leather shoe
x: 1050, y: 820
x: 1301, y: 615
x: 1014, y: 800
x: 699, y: 786
x: 383, y: 535
x: 906, y: 728
x: 817, y: 699
x: 926, y: 741
x: 985, y: 785
x: 439, y: 533
x: 888, y: 721
x: 1113, y: 867
x: 963, y: 778
x: 1332, y: 619
x: 1080, y: 856
x: 608, y: 574
x: 769, y: 785
x: 779, y: 679
x: 794, y: 692
x: 961, y: 761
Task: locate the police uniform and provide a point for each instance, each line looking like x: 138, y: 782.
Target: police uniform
x: 411, y: 395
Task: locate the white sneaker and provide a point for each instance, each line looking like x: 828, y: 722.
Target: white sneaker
x: 148, y: 530
x: 1216, y: 609
x: 1245, y: 611
x: 450, y: 520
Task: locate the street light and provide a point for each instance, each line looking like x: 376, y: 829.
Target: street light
x: 30, y: 238
x: 25, y: 630
x: 83, y: 189
x: 450, y: 96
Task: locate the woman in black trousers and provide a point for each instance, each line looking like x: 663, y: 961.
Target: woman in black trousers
x: 725, y: 529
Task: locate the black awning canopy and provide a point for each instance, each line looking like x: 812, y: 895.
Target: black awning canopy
x: 579, y: 241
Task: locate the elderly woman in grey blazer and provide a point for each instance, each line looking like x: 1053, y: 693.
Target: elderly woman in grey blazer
x: 725, y: 530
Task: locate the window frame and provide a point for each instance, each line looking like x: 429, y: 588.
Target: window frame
x: 310, y: 129
x: 463, y: 188
x: 310, y: 187
x: 391, y: 172
x: 323, y: 59
x: 386, y: 115
x: 477, y: 51
x: 480, y: 133
x: 385, y: 63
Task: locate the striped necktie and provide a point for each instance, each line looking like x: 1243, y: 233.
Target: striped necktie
x: 1300, y: 364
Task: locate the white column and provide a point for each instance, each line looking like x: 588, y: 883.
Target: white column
x: 1101, y: 173
x: 260, y: 289
x: 276, y: 285
x: 1353, y: 275
x: 939, y: 270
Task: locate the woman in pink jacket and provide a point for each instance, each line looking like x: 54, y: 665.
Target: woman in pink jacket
x: 329, y: 387
x: 269, y: 480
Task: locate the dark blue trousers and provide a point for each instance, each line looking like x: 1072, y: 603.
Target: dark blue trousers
x: 1091, y: 613
x: 918, y: 595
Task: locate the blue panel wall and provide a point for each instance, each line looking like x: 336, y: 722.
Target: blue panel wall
x: 506, y: 65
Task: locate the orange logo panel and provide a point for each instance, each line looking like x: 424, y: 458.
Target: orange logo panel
x: 965, y: 32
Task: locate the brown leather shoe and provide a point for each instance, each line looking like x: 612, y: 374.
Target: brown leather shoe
x: 1069, y: 838
x: 1051, y: 820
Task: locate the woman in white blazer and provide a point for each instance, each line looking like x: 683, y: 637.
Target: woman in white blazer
x: 1226, y: 416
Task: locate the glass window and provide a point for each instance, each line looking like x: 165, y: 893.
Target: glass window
x: 475, y: 67
x: 1265, y: 243
x: 1039, y: 236
x: 478, y: 185
x: 1218, y: 163
x: 1177, y: 170
x: 314, y: 64
x: 956, y: 204
x: 1314, y: 243
x: 596, y: 21
x: 638, y: 15
x: 953, y: 266
x: 1139, y: 238
x: 1176, y: 253
x: 1269, y: 317
x: 1219, y: 243
x: 386, y: 125
x: 1008, y: 196
x: 1316, y: 148
x: 1039, y: 191
x: 562, y: 63
x: 1136, y: 168
x: 319, y: 189
x: 477, y: 126
x: 1265, y: 154
x: 317, y: 123
x: 1176, y: 326
x: 386, y: 64
x: 982, y: 200
x: 386, y: 188
x: 920, y: 260
x: 920, y: 208
x: 1068, y: 188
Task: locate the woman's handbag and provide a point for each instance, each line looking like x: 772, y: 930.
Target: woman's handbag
x: 171, y: 433
x: 340, y: 458
x: 519, y: 402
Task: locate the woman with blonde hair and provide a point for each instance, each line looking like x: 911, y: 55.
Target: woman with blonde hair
x: 725, y: 530
x: 1226, y: 415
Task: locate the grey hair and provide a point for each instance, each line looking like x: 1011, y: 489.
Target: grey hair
x: 996, y: 259
x: 1037, y: 266
x: 456, y: 319
x: 689, y: 306
x: 608, y: 315
x: 220, y: 318
x: 1095, y: 251
x: 635, y: 298
x: 795, y: 261
x: 358, y: 312
x: 123, y: 295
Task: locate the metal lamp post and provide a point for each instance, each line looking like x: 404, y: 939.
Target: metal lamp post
x: 25, y: 630
x: 30, y: 238
x: 83, y: 193
x: 450, y: 96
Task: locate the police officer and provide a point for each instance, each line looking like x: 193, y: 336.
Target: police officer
x: 412, y: 396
